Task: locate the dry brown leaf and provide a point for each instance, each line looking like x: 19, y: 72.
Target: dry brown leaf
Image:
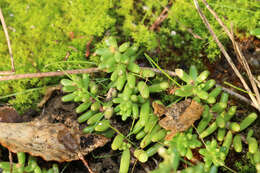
x: 52, y: 142
x: 178, y: 117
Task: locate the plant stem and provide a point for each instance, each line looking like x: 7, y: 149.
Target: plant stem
x: 48, y: 74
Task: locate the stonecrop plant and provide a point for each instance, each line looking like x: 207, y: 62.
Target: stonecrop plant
x: 131, y: 92
x: 130, y: 95
x: 29, y: 166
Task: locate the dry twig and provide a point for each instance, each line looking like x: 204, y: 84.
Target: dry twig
x: 258, y: 82
x: 189, y: 30
x: 161, y: 18
x: 238, y: 51
x: 61, y: 73
x: 6, y: 72
x: 94, y: 70
x: 164, y: 15
x: 48, y: 74
x: 11, y: 161
x: 236, y: 95
x: 88, y: 48
x: 193, y: 34
x: 171, y: 73
x: 7, y: 39
x: 81, y: 157
x: 254, y: 100
x: 67, y: 56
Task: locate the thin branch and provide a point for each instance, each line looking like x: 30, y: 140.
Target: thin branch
x: 48, y: 74
x: 61, y: 73
x: 95, y: 70
x: 257, y: 81
x: 67, y: 56
x: 193, y: 34
x: 11, y: 161
x: 6, y: 72
x: 236, y: 95
x: 81, y: 157
x: 226, y: 55
x: 164, y: 15
x: 189, y: 30
x: 88, y: 48
x: 161, y: 18
x: 7, y: 39
x: 171, y: 73
x: 238, y: 51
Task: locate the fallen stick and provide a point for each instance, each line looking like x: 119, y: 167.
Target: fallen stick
x: 62, y: 73
x: 238, y: 51
x: 7, y: 39
x: 48, y: 74
x: 236, y: 95
x: 161, y: 18
x: 203, y: 17
x: 94, y: 70
x: 11, y: 161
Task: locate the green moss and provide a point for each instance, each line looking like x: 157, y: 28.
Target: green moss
x: 242, y: 14
x: 172, y: 38
x: 41, y: 34
x: 244, y: 167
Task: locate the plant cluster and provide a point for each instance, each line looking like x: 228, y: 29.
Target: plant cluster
x: 22, y: 167
x: 132, y: 89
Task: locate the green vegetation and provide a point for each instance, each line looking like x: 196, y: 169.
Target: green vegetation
x: 134, y: 103
x: 44, y: 33
x: 42, y: 38
x: 29, y: 166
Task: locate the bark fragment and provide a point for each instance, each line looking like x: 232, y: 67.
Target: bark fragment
x: 52, y: 142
